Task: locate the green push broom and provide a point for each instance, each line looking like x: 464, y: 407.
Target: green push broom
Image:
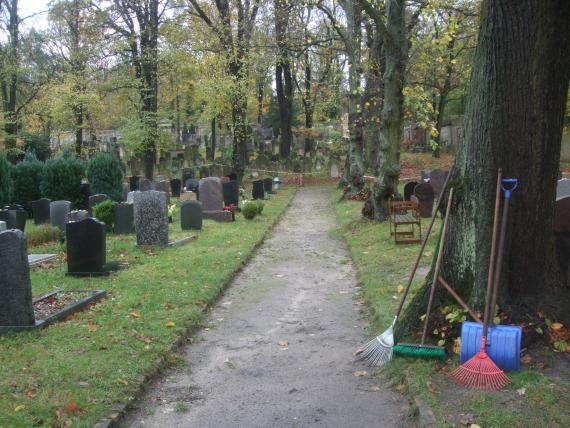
x: 422, y: 350
x: 379, y: 350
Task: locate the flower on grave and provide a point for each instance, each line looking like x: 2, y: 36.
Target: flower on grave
x: 171, y: 210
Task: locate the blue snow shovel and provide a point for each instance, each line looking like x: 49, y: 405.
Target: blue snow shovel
x: 503, y: 342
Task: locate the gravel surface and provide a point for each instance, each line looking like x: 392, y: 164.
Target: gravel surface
x: 278, y: 348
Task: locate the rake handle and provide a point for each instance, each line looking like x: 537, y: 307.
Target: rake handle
x: 459, y: 300
x: 437, y: 264
x: 423, y: 246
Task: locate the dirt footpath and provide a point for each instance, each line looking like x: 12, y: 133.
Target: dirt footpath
x: 278, y: 349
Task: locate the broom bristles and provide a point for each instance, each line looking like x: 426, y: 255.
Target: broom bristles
x: 480, y: 372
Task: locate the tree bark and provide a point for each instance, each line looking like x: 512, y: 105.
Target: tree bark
x: 10, y: 80
x: 514, y: 121
x: 396, y: 56
x: 213, y: 140
x: 283, y: 78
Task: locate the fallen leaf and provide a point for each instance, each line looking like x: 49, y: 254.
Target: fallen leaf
x: 19, y: 408
x: 526, y: 359
x: 457, y: 345
x: 168, y: 306
x: 170, y: 324
x: 83, y: 384
x: 537, y: 398
x: 428, y: 254
x: 474, y: 426
x: 521, y: 391
x: 360, y: 373
x: 431, y: 388
x: 400, y: 387
x: 556, y: 326
x: 400, y: 288
x: 31, y: 394
x: 135, y: 314
x: 283, y: 344
x: 92, y: 327
x: 123, y: 381
x: 71, y: 407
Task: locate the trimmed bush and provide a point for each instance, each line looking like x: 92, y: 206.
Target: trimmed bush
x: 37, y: 144
x: 105, y: 176
x: 61, y: 179
x: 259, y: 206
x: 6, y: 181
x: 42, y: 234
x: 104, y: 212
x: 249, y: 210
x: 27, y: 177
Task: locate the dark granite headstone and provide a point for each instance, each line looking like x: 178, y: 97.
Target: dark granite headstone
x: 58, y: 211
x: 409, y: 189
x: 86, y: 252
x: 192, y: 185
x: 258, y: 190
x: 15, y: 287
x: 94, y: 200
x: 231, y: 193
x: 425, y: 194
x: 268, y: 185
x: 175, y: 187
x: 211, y: 194
x: 144, y: 184
x: 191, y: 215
x: 437, y: 179
x: 16, y: 217
x: 77, y: 215
x: 124, y: 219
x: 133, y: 183
x: 40, y: 209
x: 151, y: 218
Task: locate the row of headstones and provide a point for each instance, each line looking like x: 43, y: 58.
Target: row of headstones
x: 261, y: 187
x: 424, y: 193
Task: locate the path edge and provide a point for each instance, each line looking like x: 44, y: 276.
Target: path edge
x: 161, y: 364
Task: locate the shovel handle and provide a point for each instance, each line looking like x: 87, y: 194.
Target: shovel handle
x: 509, y: 185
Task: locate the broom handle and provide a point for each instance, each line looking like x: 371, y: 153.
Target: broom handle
x: 422, y: 248
x: 499, y: 265
x: 493, y: 247
x: 437, y: 264
x: 459, y: 300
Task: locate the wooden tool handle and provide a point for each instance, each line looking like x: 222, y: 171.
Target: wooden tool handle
x: 459, y: 300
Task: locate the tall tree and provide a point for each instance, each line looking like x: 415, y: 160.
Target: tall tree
x: 10, y: 67
x: 283, y: 75
x: 513, y: 121
x: 233, y: 27
x: 137, y: 25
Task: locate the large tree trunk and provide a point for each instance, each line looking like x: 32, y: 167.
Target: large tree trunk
x: 396, y: 56
x: 308, y: 104
x: 514, y: 121
x: 10, y: 79
x: 213, y: 140
x: 283, y: 78
x: 356, y: 148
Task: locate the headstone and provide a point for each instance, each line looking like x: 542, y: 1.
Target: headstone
x: 225, y: 179
x: 77, y: 215
x: 425, y: 175
x: 334, y: 171
x: 124, y: 220
x: 144, y: 184
x: 58, y: 211
x: 437, y: 180
x: 94, y: 200
x: 186, y: 175
x: 151, y: 218
x: 2, y: 226
x: 409, y: 189
x: 276, y: 183
x: 211, y: 194
x: 133, y: 183
x: 191, y: 215
x: 258, y: 190
x: 16, y: 307
x: 561, y: 228
x: 86, y: 252
x: 175, y: 187
x: 192, y: 185
x: 163, y: 186
x: 16, y: 217
x: 233, y: 176
x: 563, y: 188
x: 126, y: 190
x: 425, y: 194
x: 86, y: 192
x: 231, y: 193
x: 188, y: 196
x: 268, y: 185
x: 40, y: 210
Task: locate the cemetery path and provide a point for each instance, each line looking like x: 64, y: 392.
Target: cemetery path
x: 278, y: 349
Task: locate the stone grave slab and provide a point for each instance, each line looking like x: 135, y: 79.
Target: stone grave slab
x: 211, y: 194
x: 94, y: 200
x: 86, y: 248
x: 151, y: 218
x: 258, y: 191
x: 124, y: 219
x: 231, y: 193
x: 175, y: 187
x: 40, y: 210
x: 191, y: 215
x: 37, y: 259
x: 58, y: 211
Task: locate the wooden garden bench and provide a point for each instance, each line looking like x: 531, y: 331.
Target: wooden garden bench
x: 405, y: 215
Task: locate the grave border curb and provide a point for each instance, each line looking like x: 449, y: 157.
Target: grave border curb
x: 161, y: 364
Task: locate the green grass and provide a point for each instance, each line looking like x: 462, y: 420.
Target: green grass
x: 96, y: 359
x: 534, y: 398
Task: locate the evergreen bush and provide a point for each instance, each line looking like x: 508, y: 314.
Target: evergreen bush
x: 61, y: 179
x: 6, y: 181
x: 27, y: 176
x: 249, y: 210
x: 259, y: 205
x: 105, y: 212
x: 105, y: 176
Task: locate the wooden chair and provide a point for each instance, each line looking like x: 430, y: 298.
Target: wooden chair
x: 405, y: 215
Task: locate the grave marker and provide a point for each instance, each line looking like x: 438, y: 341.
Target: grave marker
x: 124, y: 219
x: 94, y: 200
x: 191, y: 215
x: 86, y: 252
x: 40, y: 210
x: 151, y: 218
x: 58, y: 211
x: 258, y: 191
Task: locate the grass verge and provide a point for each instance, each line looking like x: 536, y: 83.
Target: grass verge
x: 75, y: 372
x: 539, y: 394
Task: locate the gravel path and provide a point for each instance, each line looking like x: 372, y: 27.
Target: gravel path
x: 278, y: 349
